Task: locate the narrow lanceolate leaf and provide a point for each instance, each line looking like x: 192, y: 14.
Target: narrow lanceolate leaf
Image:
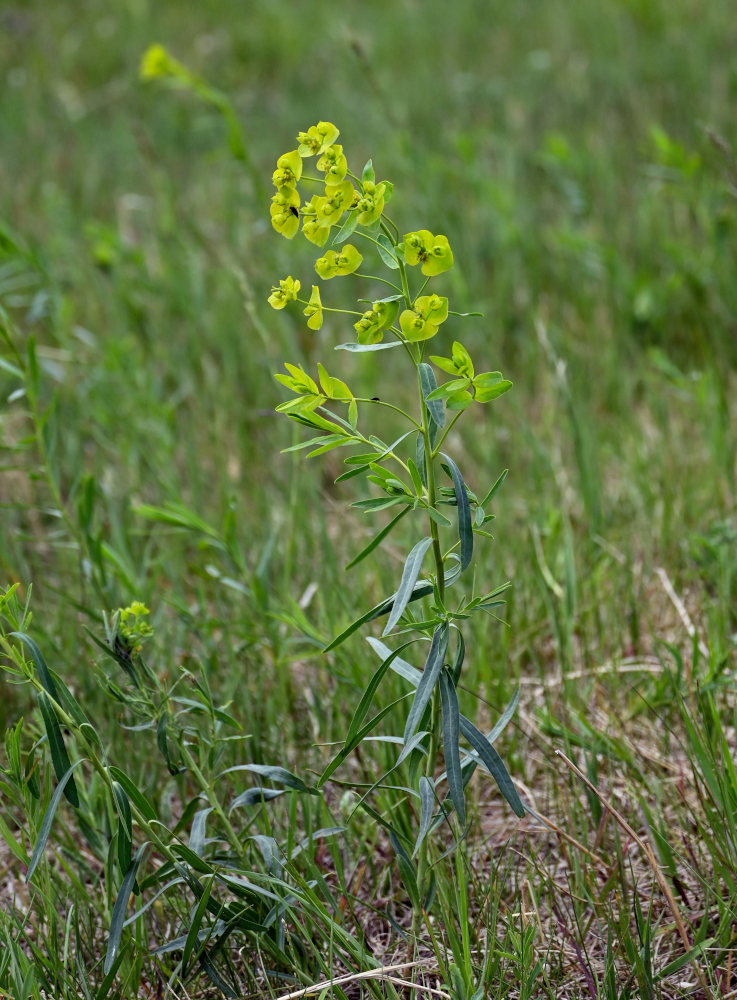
x: 411, y: 572
x: 465, y: 525
x: 497, y: 486
x: 363, y: 348
x: 44, y: 674
x: 194, y: 927
x: 274, y: 773
x: 351, y: 745
x: 48, y: 819
x: 398, y: 665
x: 125, y: 826
x: 378, y: 538
x: 429, y: 384
x: 422, y: 589
x: 429, y: 678
x: 134, y: 793
x: 427, y: 803
x: 368, y: 695
x: 406, y: 870
x: 493, y: 764
x: 451, y: 734
x: 120, y: 907
x: 59, y: 755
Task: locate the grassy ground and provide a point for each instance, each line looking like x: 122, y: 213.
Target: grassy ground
x: 580, y: 159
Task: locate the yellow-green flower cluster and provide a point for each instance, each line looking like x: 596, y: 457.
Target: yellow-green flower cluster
x: 285, y: 291
x: 422, y: 321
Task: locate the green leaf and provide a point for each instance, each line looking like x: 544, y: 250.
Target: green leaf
x: 367, y: 174
x: 497, y: 485
x: 410, y: 573
x: 433, y: 666
x: 448, y: 388
x: 368, y: 695
x: 59, y: 755
x: 451, y: 734
x: 406, y: 870
x: 194, y: 927
x: 438, y: 517
x: 363, y: 348
x: 387, y: 252
x: 422, y: 589
x: 125, y: 826
x: 120, y: 907
x: 429, y: 385
x: 273, y: 772
x: 44, y: 674
x: 398, y: 665
x: 48, y: 819
x: 493, y: 764
x: 378, y: 538
x: 427, y: 804
x: 254, y: 796
x: 347, y: 229
x: 358, y: 738
x: 465, y: 527
x: 135, y: 796
x: 484, y: 393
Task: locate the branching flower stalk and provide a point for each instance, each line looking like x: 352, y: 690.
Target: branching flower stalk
x: 406, y: 472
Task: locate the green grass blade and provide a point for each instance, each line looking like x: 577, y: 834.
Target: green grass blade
x: 410, y: 573
x: 44, y: 673
x: 48, y: 819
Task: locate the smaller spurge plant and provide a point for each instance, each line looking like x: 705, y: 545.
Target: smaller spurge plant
x: 412, y: 475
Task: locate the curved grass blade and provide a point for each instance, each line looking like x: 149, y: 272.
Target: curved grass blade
x: 427, y: 803
x: 255, y: 796
x: 465, y: 526
x: 59, y: 755
x: 119, y: 908
x: 410, y: 573
x: 451, y: 734
x: 493, y: 764
x: 378, y: 538
x: 274, y: 773
x: 48, y: 819
x: 430, y: 674
x: 214, y: 976
x: 429, y: 384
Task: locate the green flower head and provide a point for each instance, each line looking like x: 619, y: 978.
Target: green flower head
x: 370, y: 327
x: 338, y: 198
x: 313, y: 312
x: 157, y: 62
x: 285, y: 291
x: 311, y: 226
x: 285, y: 211
x: 338, y: 262
x: 288, y: 170
x: 371, y: 202
x: 433, y: 252
x: 317, y: 139
x: 422, y: 321
x: 334, y: 164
